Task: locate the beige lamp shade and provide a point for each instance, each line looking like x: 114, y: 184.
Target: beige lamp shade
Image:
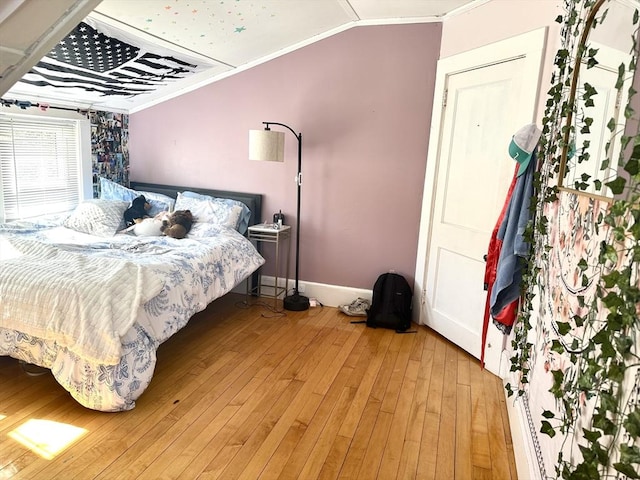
x: 266, y: 145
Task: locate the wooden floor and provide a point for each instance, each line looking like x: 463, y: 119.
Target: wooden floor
x: 241, y: 393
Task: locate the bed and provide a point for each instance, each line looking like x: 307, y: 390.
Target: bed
x: 92, y: 303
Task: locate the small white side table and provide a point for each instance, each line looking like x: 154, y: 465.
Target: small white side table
x: 267, y: 233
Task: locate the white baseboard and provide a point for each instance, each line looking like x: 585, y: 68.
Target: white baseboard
x: 521, y: 452
x: 327, y: 295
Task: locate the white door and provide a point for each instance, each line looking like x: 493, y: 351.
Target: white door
x: 487, y: 95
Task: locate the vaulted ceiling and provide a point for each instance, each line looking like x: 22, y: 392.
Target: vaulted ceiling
x: 48, y: 55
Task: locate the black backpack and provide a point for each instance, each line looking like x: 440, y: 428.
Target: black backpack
x: 391, y: 303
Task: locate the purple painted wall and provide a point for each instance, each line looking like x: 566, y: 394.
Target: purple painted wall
x: 362, y: 100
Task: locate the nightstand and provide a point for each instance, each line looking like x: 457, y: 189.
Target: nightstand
x: 266, y: 233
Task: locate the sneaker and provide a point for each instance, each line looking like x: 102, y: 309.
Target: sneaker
x: 357, y: 308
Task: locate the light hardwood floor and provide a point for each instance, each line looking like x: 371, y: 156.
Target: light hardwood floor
x: 240, y: 393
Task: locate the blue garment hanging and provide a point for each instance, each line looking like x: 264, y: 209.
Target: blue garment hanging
x: 515, y: 249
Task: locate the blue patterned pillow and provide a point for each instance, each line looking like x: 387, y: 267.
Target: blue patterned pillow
x: 211, y: 210
x: 110, y: 190
x: 245, y: 215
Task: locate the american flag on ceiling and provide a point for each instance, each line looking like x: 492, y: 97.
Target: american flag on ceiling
x: 101, y: 65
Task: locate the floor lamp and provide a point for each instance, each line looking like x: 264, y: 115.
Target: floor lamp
x: 267, y: 145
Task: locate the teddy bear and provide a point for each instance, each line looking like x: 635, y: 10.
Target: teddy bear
x: 136, y: 211
x: 177, y: 224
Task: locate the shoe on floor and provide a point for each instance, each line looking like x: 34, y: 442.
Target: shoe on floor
x: 357, y: 308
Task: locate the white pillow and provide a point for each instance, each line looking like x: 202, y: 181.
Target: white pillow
x: 210, y: 211
x: 97, y: 217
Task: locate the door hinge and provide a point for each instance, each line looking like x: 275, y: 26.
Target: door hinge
x: 423, y: 300
x: 444, y: 97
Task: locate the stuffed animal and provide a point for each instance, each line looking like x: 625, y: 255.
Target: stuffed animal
x: 137, y: 211
x: 178, y: 224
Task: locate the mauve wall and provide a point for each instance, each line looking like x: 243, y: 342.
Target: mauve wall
x: 362, y: 100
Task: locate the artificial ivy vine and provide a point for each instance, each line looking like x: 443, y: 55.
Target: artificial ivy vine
x: 597, y: 398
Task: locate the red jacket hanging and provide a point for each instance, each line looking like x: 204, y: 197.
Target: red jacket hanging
x: 491, y: 269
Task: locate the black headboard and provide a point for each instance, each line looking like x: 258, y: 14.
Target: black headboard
x: 251, y: 200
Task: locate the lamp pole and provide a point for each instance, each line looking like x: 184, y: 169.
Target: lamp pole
x: 295, y: 302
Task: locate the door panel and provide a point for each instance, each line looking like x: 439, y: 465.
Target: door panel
x: 448, y: 283
x: 475, y: 155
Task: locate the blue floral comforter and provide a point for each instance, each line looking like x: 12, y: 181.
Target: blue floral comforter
x: 195, y: 270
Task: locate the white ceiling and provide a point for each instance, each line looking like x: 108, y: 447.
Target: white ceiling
x: 221, y: 36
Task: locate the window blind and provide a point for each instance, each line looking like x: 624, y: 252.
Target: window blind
x: 39, y: 165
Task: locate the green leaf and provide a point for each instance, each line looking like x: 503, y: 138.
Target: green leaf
x: 616, y: 372
x: 585, y: 281
x: 603, y: 423
x: 628, y: 112
x: 591, y: 435
x: 556, y: 346
x: 589, y: 92
x: 582, y: 265
x: 587, y: 470
x: 611, y: 279
x: 585, y: 381
x: 563, y: 328
x: 608, y: 402
x: 632, y: 166
x: 632, y: 423
x: 609, y: 254
x: 624, y: 345
x: 579, y: 321
x: 547, y: 429
x: 612, y: 301
x: 558, y: 376
x: 626, y: 469
x: 607, y: 349
x: 508, y: 388
x: 617, y: 185
x: 621, y: 71
x: 629, y: 454
x: 601, y: 337
x: 588, y: 455
x: 548, y: 414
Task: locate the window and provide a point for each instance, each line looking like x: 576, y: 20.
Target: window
x: 40, y: 165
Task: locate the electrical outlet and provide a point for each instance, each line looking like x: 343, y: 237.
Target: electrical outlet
x: 300, y: 287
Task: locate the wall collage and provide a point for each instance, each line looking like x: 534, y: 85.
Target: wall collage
x: 109, y: 147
